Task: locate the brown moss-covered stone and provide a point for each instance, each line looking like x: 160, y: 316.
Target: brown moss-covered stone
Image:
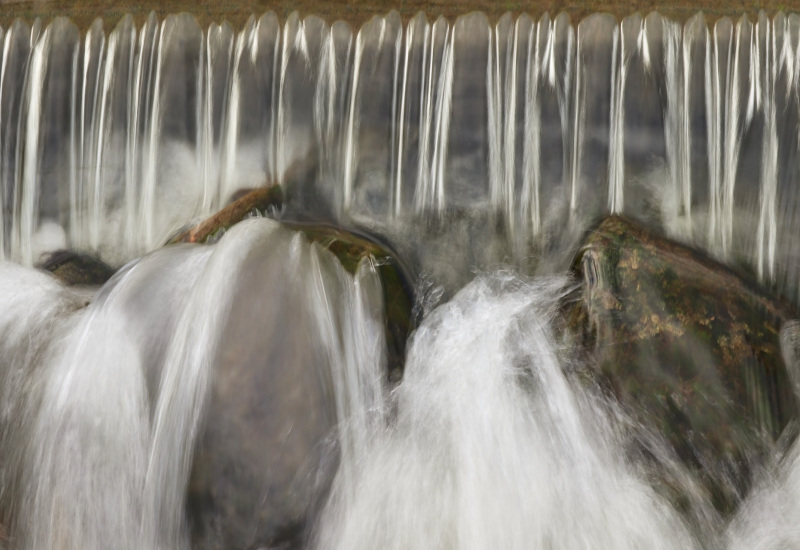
x: 690, y: 347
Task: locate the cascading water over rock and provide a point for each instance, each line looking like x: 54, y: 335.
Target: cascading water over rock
x: 113, y: 141
x: 252, y: 391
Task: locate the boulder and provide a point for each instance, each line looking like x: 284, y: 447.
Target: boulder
x: 268, y: 450
x: 76, y: 269
x: 692, y: 351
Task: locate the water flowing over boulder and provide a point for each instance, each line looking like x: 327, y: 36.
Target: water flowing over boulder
x: 227, y: 377
x: 348, y: 245
x: 693, y: 351
x: 269, y: 446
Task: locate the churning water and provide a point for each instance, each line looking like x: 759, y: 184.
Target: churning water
x: 469, y: 147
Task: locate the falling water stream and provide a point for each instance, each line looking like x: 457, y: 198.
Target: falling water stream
x: 481, y: 153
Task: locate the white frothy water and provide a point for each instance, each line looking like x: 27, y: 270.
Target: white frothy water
x: 102, y: 407
x: 490, y: 445
x: 432, y: 134
x: 492, y: 439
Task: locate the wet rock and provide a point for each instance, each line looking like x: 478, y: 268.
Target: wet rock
x: 692, y: 350
x: 262, y: 464
x: 268, y: 451
x: 350, y: 248
x: 77, y: 269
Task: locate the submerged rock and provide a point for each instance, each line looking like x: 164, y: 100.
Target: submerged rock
x: 349, y: 247
x: 692, y: 351
x: 268, y: 451
x: 77, y: 269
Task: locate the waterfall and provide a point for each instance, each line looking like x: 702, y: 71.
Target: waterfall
x: 112, y: 141
x: 493, y: 446
x: 481, y: 152
x: 102, y: 406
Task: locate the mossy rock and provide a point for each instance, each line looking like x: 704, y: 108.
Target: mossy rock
x: 77, y: 269
x: 268, y: 449
x: 690, y: 348
x: 349, y: 246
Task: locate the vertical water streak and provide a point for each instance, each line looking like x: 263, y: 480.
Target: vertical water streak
x: 331, y: 108
x: 172, y: 189
x: 767, y: 225
x: 349, y: 139
x: 507, y: 92
x: 94, y: 143
x: 296, y: 136
x: 101, y: 178
x: 397, y: 30
x: 409, y: 127
x: 370, y: 140
x: 269, y: 39
x: 25, y: 190
x: 675, y: 121
x: 424, y: 96
x: 242, y: 114
x: 554, y: 62
x: 441, y: 129
x: 109, y: 156
x: 461, y: 149
x: 787, y: 98
x: 634, y: 104
x: 722, y: 68
x: 408, y: 37
x: 138, y: 121
x: 150, y: 144
x: 511, y: 89
x: 84, y: 199
x: 435, y: 95
x: 616, y: 154
x: 3, y: 63
x: 41, y: 194
x: 578, y: 122
x: 595, y: 59
x: 218, y: 125
x: 500, y: 46
x: 694, y: 32
x: 736, y: 125
x: 529, y: 200
x: 562, y: 61
x: 713, y: 128
x: 519, y: 200
x: 13, y: 68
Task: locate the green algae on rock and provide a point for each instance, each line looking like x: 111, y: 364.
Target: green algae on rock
x: 690, y: 348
